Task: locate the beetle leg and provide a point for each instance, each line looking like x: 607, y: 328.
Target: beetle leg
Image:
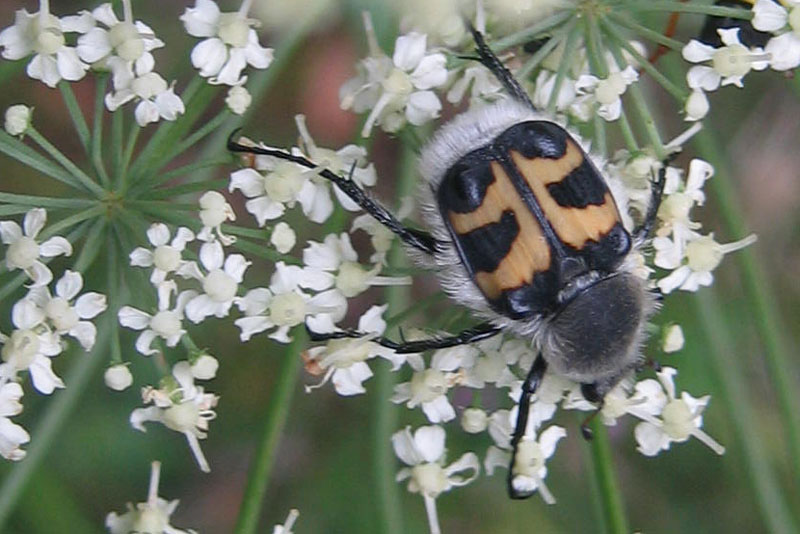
x: 417, y: 239
x: 529, y: 387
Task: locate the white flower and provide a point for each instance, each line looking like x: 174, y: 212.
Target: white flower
x: 270, y: 187
x: 428, y: 387
x: 729, y: 63
x: 66, y: 317
x: 24, y: 251
x: 18, y: 119
x: 350, y: 161
x: 284, y: 305
x: 180, y: 406
x: 118, y: 377
x: 119, y: 45
x: 546, y: 83
x: 679, y: 420
x: 529, y: 467
x: 151, y: 516
x: 12, y: 435
x: 165, y: 258
x: 220, y: 283
x: 491, y: 366
x: 769, y: 16
x: 424, y: 453
x: 702, y: 255
x: 442, y: 20
x: 344, y: 360
x: 230, y: 45
x: 483, y: 86
x: 646, y: 400
x: 396, y: 91
x: 156, y: 99
x: 605, y: 93
x: 165, y: 324
x: 42, y: 34
x: 214, y: 211
x: 238, y: 99
x: 336, y: 261
x: 283, y: 237
x: 30, y: 347
x: 680, y: 198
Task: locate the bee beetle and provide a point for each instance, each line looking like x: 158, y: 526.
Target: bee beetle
x: 524, y: 231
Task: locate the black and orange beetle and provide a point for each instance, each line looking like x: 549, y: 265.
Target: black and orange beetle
x: 523, y: 230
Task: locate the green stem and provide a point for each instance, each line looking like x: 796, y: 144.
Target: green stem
x: 277, y: 412
x: 627, y: 133
x: 678, y: 93
x: 765, y: 489
x: 535, y: 60
x: 46, y: 202
x: 760, y: 293
x: 680, y: 7
x: 191, y: 187
x: 74, y: 171
x: 566, y: 61
x: 124, y: 169
x: 15, y: 149
x: 638, y: 101
x: 384, y: 414
x: 117, y: 143
x: 610, y: 496
x: 647, y: 33
x: 59, y: 411
x: 97, y: 131
x: 75, y: 113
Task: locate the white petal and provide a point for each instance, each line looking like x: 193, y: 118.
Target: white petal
x: 69, y: 285
x: 235, y: 266
x: 26, y: 314
x: 55, y: 246
x: 256, y: 55
x: 429, y: 442
x: 784, y: 50
x: 201, y: 20
x: 372, y: 320
x: 44, y: 68
x: 146, y: 112
x: 439, y: 410
x: 200, y: 307
x: 169, y: 105
x: 34, y: 221
x: 94, y: 45
x: 230, y: 73
x: 132, y: 318
x: 549, y: 438
x: 39, y: 274
x: 314, y: 279
x: 316, y: 201
x: 264, y: 209
x: 141, y: 257
x: 158, y: 234
x: 142, y: 415
x: 320, y: 324
x: 209, y: 56
x: 70, y: 65
x: 211, y: 255
x: 249, y: 181
x: 702, y: 77
x: 651, y: 439
x: 405, y: 447
x: 422, y: 106
x: 10, y: 232
x: 86, y: 333
x: 695, y: 52
x: 409, y: 50
x: 252, y: 325
x: 144, y: 341
x: 768, y: 16
x: 468, y: 461
x: 495, y: 457
x: 44, y: 379
x: 348, y: 381
x: 430, y: 72
x: 91, y: 304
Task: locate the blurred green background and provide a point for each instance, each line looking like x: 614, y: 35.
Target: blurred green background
x: 324, y: 467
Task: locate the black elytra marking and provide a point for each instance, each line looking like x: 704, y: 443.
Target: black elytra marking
x: 464, y: 186
x: 535, y: 139
x: 580, y: 188
x: 486, y: 247
x: 607, y: 253
x: 536, y: 298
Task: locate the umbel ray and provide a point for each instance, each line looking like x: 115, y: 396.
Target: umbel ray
x: 524, y: 231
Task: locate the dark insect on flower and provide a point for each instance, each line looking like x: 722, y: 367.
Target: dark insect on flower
x: 524, y: 230
x: 748, y: 36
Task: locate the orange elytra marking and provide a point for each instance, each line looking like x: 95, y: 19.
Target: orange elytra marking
x: 529, y: 252
x: 573, y: 226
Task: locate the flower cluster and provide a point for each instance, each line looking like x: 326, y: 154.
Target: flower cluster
x: 40, y: 320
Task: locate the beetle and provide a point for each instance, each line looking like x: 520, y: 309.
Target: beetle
x: 524, y: 231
